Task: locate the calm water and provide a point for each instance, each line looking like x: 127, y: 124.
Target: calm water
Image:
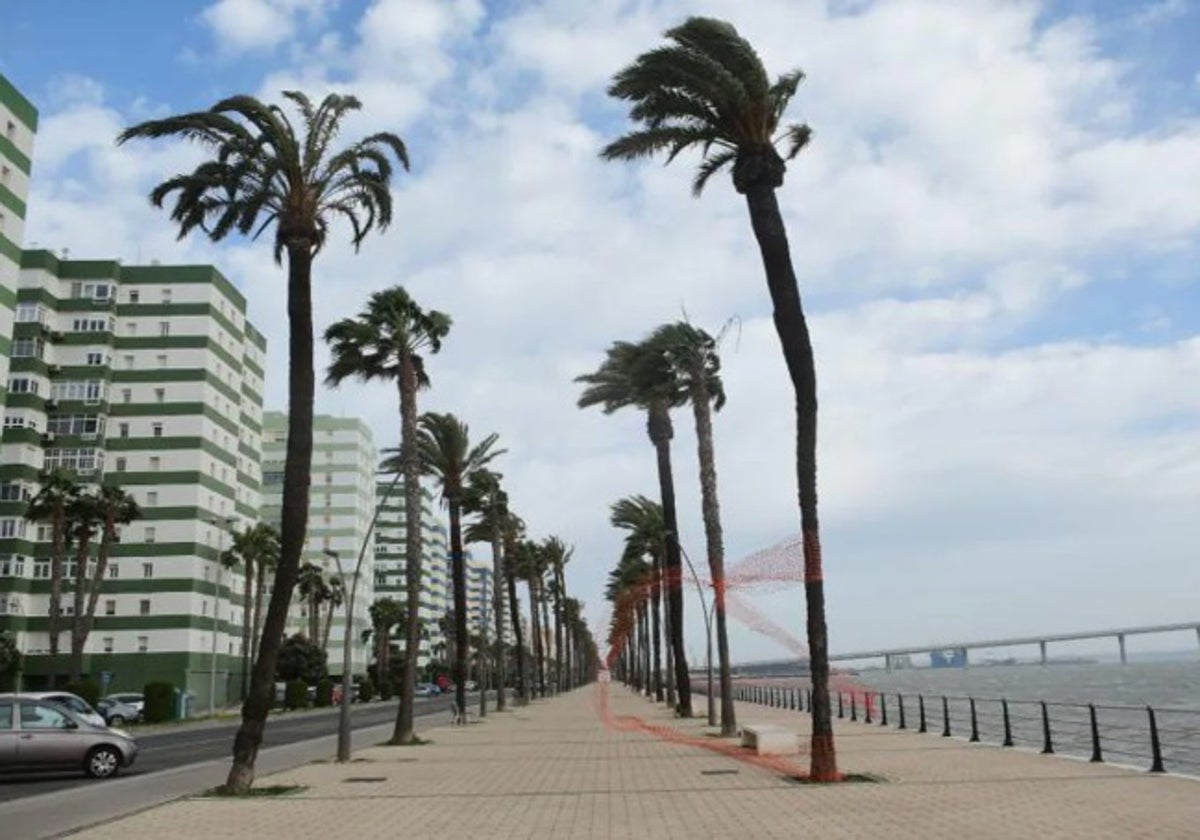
x: 1119, y: 692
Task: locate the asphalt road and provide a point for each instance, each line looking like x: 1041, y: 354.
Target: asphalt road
x: 167, y: 750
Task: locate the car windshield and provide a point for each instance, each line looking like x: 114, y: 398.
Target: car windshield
x: 72, y: 703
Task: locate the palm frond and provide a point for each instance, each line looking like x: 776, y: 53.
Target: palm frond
x: 711, y: 165
x: 797, y: 137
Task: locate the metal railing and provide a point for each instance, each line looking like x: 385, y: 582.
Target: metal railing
x: 1160, y: 739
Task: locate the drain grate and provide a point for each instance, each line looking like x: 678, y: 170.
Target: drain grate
x: 365, y: 779
x: 718, y: 772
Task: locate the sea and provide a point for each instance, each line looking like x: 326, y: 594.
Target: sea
x: 1119, y: 694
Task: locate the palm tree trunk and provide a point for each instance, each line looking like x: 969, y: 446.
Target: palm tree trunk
x: 501, y: 670
x: 644, y: 633
x: 710, y: 503
x: 260, y: 589
x: 93, y: 596
x: 78, y: 619
x: 669, y: 669
x: 518, y: 633
x: 328, y: 625
x: 458, y: 569
x: 56, y: 572
x: 792, y: 328
x: 656, y: 630
x: 403, y: 732
x: 543, y: 596
x: 294, y: 519
x: 535, y: 628
x: 660, y: 433
x: 314, y: 617
x: 560, y: 595
x: 247, y: 627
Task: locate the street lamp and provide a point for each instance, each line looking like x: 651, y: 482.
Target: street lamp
x: 343, y: 745
x: 222, y: 523
x: 707, y: 612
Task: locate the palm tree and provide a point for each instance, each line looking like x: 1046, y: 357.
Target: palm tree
x: 113, y: 507
x: 83, y: 514
x: 447, y: 455
x: 512, y: 529
x: 335, y: 597
x: 527, y: 563
x: 386, y: 615
x: 311, y: 586
x: 709, y: 91
x: 557, y: 557
x: 486, y: 498
x: 50, y: 505
x: 628, y: 589
x: 265, y: 565
x: 262, y: 173
x: 633, y: 375
x: 384, y: 343
x: 253, y: 549
x: 647, y: 537
x: 691, y: 356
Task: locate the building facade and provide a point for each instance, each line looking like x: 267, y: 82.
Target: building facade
x: 149, y: 378
x: 341, y: 507
x: 18, y: 125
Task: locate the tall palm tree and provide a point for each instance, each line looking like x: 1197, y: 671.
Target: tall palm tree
x: 50, y: 506
x: 557, y: 557
x: 448, y: 456
x: 264, y: 173
x: 265, y: 566
x: 646, y: 537
x: 708, y: 90
x: 311, y: 586
x: 386, y: 615
x: 632, y: 376
x: 512, y: 529
x: 692, y: 359
x: 335, y: 598
x: 113, y: 508
x: 83, y: 514
x: 251, y: 549
x: 385, y: 343
x: 486, y: 497
x: 527, y: 562
x: 628, y: 589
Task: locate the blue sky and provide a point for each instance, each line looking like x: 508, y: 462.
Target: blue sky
x: 996, y: 231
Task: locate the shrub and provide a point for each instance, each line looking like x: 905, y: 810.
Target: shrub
x: 89, y: 690
x: 295, y: 696
x: 366, y: 690
x: 159, y: 700
x: 325, y: 693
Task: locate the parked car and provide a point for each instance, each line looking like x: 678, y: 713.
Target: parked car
x: 337, y: 693
x: 427, y: 690
x: 130, y: 698
x: 116, y: 713
x: 73, y: 702
x: 37, y: 734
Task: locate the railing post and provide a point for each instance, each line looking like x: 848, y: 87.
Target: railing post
x: 1096, y: 754
x: 1047, y: 742
x: 921, y: 709
x: 883, y: 709
x: 900, y: 702
x: 796, y: 700
x: 853, y: 706
x: 945, y: 717
x: 841, y: 707
x: 808, y: 697
x: 1156, y: 765
x: 867, y: 707
x: 974, y: 722
x: 1008, y: 739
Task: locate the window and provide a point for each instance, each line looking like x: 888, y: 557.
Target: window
x: 126, y: 395
x: 110, y: 606
x: 164, y: 328
x: 155, y: 463
x: 143, y: 644
x: 134, y: 296
x: 80, y: 460
x: 160, y: 394
x: 144, y: 607
x: 108, y: 644
x: 114, y: 571
x: 28, y: 348
x: 10, y: 491
x: 133, y: 328
x: 162, y: 360
x: 5, y: 173
x: 147, y: 570
x: 91, y: 325
x: 84, y: 425
x: 157, y: 430
x: 151, y: 534
x: 166, y: 295
x: 10, y: 130
x: 30, y: 313
x: 88, y: 390
x: 130, y: 361
x: 6, y: 716
x: 95, y: 358
x: 41, y: 569
x: 38, y: 716
x: 12, y: 565
x: 123, y: 429
x: 22, y: 385
x: 152, y: 498
x: 12, y: 528
x: 120, y: 465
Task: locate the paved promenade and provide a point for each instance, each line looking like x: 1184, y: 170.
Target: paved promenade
x: 579, y: 766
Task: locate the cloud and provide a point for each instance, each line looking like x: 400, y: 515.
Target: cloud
x: 975, y: 172
x: 250, y: 25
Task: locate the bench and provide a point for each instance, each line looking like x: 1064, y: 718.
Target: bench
x: 766, y: 739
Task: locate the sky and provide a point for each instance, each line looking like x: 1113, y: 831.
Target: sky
x: 995, y: 230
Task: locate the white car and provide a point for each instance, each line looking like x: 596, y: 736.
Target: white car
x: 71, y: 702
x: 130, y: 698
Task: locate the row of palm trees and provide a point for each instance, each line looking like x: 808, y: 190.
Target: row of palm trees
x: 708, y: 90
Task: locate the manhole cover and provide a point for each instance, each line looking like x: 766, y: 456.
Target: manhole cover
x: 365, y: 779
x: 718, y: 772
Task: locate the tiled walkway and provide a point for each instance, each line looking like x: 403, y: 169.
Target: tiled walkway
x: 560, y: 768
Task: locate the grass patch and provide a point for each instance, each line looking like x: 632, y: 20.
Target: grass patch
x: 254, y: 792
x: 847, y: 778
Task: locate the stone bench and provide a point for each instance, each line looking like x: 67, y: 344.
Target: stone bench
x: 766, y: 739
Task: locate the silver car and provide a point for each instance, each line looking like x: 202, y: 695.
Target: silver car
x: 38, y: 735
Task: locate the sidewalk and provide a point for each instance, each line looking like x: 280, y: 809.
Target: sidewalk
x: 555, y: 769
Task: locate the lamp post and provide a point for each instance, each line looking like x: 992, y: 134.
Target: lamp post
x: 222, y: 523
x: 707, y: 612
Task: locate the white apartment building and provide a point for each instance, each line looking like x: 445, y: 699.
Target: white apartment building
x: 341, y: 506
x: 150, y: 378
x: 18, y: 125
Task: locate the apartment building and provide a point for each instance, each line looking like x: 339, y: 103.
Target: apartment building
x: 150, y: 378
x: 390, y: 562
x: 18, y: 125
x: 341, y: 506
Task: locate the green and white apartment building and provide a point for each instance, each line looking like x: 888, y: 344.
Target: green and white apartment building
x: 341, y: 506
x: 18, y: 125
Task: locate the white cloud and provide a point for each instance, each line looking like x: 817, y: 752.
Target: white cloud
x: 970, y: 168
x: 248, y: 25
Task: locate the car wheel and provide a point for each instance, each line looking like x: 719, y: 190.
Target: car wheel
x: 116, y: 720
x: 102, y: 762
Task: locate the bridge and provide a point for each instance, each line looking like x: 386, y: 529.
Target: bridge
x: 959, y: 649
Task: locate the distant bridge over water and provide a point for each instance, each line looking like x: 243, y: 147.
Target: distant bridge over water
x: 892, y: 656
